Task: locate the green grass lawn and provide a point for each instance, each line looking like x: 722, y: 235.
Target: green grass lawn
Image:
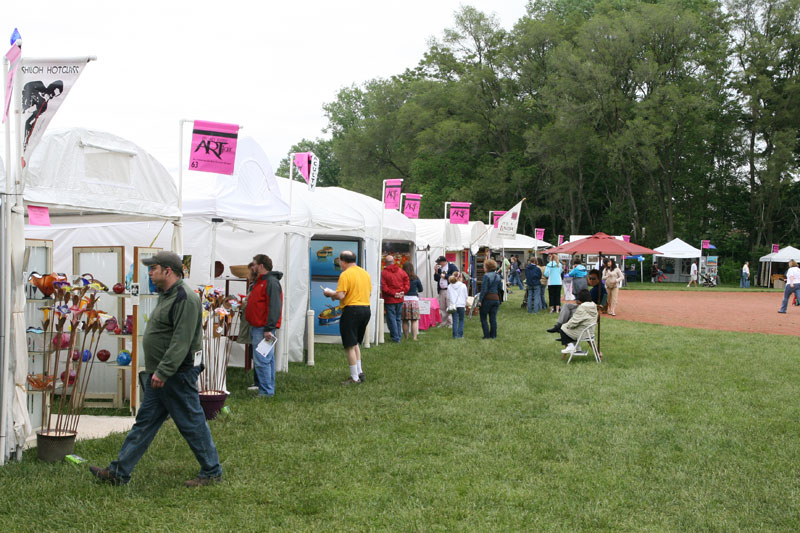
x: 678, y: 430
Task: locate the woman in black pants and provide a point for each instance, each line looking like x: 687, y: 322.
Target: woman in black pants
x: 490, y: 298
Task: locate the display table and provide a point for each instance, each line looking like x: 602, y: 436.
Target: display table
x: 432, y: 319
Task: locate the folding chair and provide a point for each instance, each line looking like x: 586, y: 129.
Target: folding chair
x: 588, y: 336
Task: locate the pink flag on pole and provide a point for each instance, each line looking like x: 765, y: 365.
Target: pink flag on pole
x: 539, y: 233
x: 626, y: 238
x: 391, y: 195
x: 560, y: 240
x: 38, y: 216
x: 496, y: 215
x: 411, y: 206
x: 775, y: 248
x: 459, y: 212
x: 213, y: 147
x: 302, y: 161
x: 13, y: 56
x: 704, y: 244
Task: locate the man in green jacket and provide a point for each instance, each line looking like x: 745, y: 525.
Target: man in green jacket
x: 173, y: 342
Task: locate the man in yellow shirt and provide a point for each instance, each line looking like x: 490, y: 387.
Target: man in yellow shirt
x: 353, y: 290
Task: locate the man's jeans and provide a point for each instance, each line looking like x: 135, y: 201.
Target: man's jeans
x: 179, y: 399
x: 535, y: 299
x: 394, y: 314
x: 513, y: 279
x: 263, y: 366
x: 458, y: 323
x: 787, y: 292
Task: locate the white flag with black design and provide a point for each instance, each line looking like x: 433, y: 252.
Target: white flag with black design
x: 507, y: 224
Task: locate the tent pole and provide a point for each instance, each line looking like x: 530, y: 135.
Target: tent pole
x: 378, y: 268
x: 287, y: 302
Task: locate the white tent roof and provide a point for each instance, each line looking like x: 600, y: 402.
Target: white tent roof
x: 678, y: 249
x: 79, y: 169
x: 251, y: 193
x: 439, y: 233
x: 521, y: 242
x: 783, y: 256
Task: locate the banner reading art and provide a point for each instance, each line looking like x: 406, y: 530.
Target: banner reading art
x: 496, y: 215
x: 626, y: 238
x: 539, y: 234
x: 45, y: 85
x: 705, y: 244
x: 411, y: 206
x: 459, y: 212
x: 560, y: 240
x: 391, y: 193
x: 775, y: 248
x: 213, y: 147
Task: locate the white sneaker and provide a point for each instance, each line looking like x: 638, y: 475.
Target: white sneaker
x: 569, y: 349
x: 252, y: 388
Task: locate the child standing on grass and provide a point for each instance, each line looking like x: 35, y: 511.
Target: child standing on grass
x: 457, y: 296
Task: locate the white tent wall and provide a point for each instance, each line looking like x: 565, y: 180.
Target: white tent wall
x: 677, y: 255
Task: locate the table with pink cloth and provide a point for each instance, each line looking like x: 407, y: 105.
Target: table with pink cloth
x: 428, y: 321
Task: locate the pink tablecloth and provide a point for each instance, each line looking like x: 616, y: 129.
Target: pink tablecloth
x: 427, y: 321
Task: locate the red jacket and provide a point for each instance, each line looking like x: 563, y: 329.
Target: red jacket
x: 393, y: 279
x: 265, y: 302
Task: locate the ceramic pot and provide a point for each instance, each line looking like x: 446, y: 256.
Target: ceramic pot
x: 212, y: 401
x: 53, y: 447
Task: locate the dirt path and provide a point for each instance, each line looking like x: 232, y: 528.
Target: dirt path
x: 755, y: 312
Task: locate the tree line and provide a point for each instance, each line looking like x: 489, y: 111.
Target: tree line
x: 656, y: 119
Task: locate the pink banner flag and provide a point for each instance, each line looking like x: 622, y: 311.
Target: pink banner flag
x: 459, y: 212
x: 775, y: 248
x: 704, y: 244
x: 213, y: 147
x: 539, y: 234
x: 560, y: 240
x: 13, y: 56
x: 302, y: 161
x: 391, y: 193
x: 626, y: 238
x: 38, y: 216
x: 496, y: 216
x: 411, y: 206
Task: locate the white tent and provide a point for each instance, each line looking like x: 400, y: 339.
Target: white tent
x: 676, y: 259
x: 521, y: 242
x: 783, y: 255
x: 91, y: 177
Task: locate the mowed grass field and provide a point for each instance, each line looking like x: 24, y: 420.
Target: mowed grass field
x: 677, y: 430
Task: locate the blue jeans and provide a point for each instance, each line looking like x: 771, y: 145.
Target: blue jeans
x: 744, y: 282
x: 513, y: 279
x: 179, y: 399
x: 787, y: 291
x: 394, y: 319
x: 458, y: 323
x: 263, y: 366
x: 535, y: 299
x: 489, y: 310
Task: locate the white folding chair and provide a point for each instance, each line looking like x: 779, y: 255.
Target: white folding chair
x: 588, y: 336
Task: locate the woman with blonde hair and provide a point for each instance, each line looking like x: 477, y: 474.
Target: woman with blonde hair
x: 410, y: 309
x: 553, y: 272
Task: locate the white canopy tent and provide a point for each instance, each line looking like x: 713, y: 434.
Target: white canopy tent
x: 520, y: 242
x: 783, y: 255
x: 676, y: 259
x: 89, y: 178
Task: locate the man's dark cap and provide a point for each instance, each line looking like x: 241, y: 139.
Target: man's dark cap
x: 166, y: 259
x: 441, y: 258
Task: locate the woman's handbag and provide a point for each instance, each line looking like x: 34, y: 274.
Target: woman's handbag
x: 451, y: 308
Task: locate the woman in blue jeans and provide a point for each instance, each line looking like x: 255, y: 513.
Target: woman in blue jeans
x: 490, y: 299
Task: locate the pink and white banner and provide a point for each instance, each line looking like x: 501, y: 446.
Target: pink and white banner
x: 560, y: 240
x: 213, y: 147
x: 539, y: 234
x: 508, y: 223
x: 308, y: 165
x: 411, y: 205
x: 459, y: 212
x: 45, y: 85
x: 704, y: 244
x: 13, y: 56
x: 626, y: 238
x: 775, y: 248
x: 496, y: 215
x: 391, y: 193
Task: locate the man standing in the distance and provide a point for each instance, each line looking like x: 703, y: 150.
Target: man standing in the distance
x: 173, y: 342
x: 444, y: 270
x: 353, y: 290
x: 263, y: 312
x: 693, y: 275
x: 394, y: 285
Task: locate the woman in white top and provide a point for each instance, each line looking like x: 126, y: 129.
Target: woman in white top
x: 613, y: 278
x: 553, y: 274
x: 792, y: 285
x: 457, y: 297
x: 745, y: 281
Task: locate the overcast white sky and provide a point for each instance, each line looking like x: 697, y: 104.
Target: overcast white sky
x: 269, y: 66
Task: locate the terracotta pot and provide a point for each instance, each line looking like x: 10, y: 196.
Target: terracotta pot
x: 212, y: 401
x: 53, y: 447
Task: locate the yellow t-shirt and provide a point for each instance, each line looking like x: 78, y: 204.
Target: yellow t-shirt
x: 357, y: 285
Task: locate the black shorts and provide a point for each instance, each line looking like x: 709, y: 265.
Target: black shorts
x: 353, y: 324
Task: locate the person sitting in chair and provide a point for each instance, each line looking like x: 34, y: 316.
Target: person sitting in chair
x: 585, y: 315
x: 598, y: 294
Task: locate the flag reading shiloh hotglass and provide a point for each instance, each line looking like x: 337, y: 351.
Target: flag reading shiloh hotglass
x: 213, y: 147
x: 411, y: 205
x: 508, y: 223
x: 391, y: 193
x: 45, y: 85
x: 459, y: 212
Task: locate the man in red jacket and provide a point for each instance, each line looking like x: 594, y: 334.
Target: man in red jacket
x: 394, y: 285
x: 263, y: 312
